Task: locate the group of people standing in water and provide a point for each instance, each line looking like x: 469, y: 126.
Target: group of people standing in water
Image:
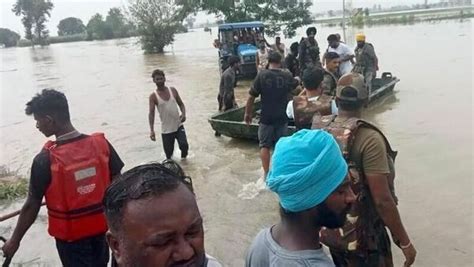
x: 334, y: 177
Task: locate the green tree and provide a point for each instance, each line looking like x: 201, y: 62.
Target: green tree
x: 117, y: 22
x: 70, y: 26
x: 97, y: 29
x: 8, y: 38
x: 278, y: 15
x: 157, y: 21
x: 35, y: 13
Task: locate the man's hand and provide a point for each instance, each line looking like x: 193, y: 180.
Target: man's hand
x: 9, y: 248
x: 182, y: 117
x: 152, y: 136
x: 247, y: 119
x: 410, y: 254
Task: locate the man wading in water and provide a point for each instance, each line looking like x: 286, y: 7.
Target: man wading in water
x: 273, y: 86
x: 167, y: 101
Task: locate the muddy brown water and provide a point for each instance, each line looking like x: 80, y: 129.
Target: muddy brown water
x: 428, y: 120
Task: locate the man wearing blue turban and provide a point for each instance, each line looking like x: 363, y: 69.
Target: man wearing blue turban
x: 308, y: 174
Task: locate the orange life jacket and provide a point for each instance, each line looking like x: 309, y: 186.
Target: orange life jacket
x: 79, y: 177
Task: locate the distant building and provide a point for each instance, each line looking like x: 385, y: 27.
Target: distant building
x: 460, y: 2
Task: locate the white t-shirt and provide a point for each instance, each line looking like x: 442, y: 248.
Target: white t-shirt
x: 290, y: 113
x: 343, y: 50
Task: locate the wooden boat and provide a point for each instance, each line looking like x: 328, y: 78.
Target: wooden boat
x: 231, y: 123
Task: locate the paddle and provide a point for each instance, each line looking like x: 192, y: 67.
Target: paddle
x: 13, y: 214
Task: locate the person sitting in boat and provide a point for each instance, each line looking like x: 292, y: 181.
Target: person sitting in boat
x: 302, y: 108
x: 367, y: 62
x: 330, y: 73
x: 154, y: 219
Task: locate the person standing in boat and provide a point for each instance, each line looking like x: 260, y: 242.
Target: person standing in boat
x: 330, y: 73
x: 309, y: 50
x: 303, y: 107
x: 291, y: 60
x: 226, y: 96
x: 273, y: 85
x: 167, y: 101
x: 367, y: 62
x: 345, y: 54
x: 363, y: 240
x: 72, y: 173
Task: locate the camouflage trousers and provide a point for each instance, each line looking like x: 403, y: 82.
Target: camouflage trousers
x: 378, y: 258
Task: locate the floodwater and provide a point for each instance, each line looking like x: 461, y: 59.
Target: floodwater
x: 428, y: 120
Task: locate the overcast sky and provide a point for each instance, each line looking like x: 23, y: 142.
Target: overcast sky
x: 84, y: 9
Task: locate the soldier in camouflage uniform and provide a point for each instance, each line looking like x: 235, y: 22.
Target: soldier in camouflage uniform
x: 330, y: 73
x: 305, y: 106
x: 366, y: 60
x: 309, y: 50
x: 363, y: 240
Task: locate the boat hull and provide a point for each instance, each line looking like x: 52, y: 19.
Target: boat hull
x: 230, y: 123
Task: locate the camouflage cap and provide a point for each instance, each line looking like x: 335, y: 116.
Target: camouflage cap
x: 356, y: 82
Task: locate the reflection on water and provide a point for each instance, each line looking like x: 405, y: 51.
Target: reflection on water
x: 381, y: 105
x: 428, y: 120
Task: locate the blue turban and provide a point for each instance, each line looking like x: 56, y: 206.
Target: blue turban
x: 306, y: 168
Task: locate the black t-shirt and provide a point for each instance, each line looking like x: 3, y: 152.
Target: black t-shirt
x: 41, y: 168
x: 273, y: 85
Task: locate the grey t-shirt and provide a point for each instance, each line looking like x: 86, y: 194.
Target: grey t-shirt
x: 265, y: 252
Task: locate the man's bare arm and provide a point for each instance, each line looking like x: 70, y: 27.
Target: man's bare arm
x: 151, y: 116
x: 249, y: 110
x: 386, y: 207
x: 388, y: 211
x: 27, y: 217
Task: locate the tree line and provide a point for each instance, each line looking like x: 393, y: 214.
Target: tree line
x: 157, y: 21
x: 35, y: 13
